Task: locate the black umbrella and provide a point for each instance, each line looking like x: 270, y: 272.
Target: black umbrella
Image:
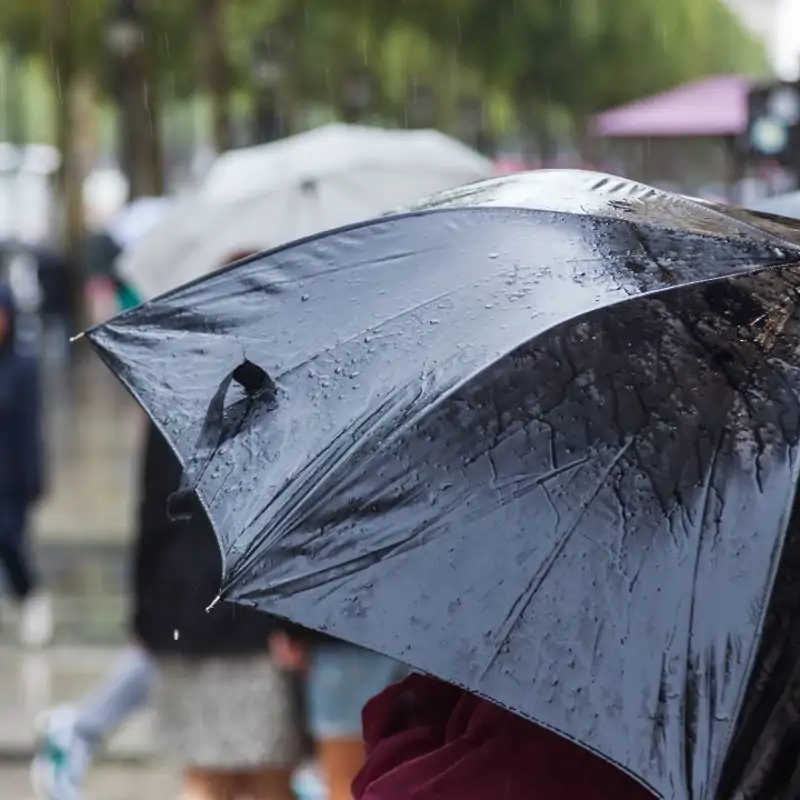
x: 537, y: 437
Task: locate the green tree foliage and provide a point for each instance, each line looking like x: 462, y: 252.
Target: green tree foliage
x: 586, y: 55
x: 573, y: 57
x: 539, y: 66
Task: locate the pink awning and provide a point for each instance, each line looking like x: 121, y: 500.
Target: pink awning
x: 710, y: 107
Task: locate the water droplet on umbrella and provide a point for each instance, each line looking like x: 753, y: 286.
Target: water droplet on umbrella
x: 305, y: 298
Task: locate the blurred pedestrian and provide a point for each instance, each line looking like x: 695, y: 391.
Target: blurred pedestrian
x: 71, y: 735
x: 21, y: 473
x: 428, y: 740
x: 340, y: 678
x: 56, y: 277
x: 226, y: 712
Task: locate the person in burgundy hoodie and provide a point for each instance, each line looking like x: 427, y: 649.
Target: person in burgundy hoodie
x: 428, y: 740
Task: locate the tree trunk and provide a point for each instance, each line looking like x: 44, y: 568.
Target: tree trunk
x: 141, y: 128
x: 447, y: 93
x: 275, y: 101
x: 486, y: 143
x: 217, y: 71
x: 70, y: 177
x: 86, y: 110
x: 538, y: 130
x: 153, y: 140
x: 140, y: 124
x: 589, y: 148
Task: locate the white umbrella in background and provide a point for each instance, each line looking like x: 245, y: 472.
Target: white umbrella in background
x: 136, y: 219
x: 105, y: 192
x: 261, y: 197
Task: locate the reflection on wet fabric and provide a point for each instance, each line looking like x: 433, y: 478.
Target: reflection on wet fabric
x: 537, y: 437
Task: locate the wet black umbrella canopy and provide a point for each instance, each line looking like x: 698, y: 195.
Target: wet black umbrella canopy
x: 537, y: 437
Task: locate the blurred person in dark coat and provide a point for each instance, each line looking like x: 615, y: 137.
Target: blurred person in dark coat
x: 226, y: 711
x: 226, y: 714
x: 21, y: 473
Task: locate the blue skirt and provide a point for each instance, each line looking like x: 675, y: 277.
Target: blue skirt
x: 341, y: 679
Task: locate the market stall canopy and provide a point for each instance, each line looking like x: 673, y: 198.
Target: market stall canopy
x: 714, y: 106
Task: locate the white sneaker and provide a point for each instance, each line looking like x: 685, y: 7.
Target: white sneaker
x: 36, y: 621
x: 63, y: 757
x: 307, y: 783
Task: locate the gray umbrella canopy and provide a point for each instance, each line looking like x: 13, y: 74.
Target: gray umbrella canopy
x: 537, y: 437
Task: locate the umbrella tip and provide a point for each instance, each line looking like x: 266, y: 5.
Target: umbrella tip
x: 77, y: 337
x: 213, y: 603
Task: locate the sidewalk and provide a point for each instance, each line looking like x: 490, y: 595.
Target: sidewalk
x: 92, y: 435
x: 33, y: 681
x: 107, y: 782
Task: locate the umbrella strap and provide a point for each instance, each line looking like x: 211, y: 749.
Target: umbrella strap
x: 217, y: 430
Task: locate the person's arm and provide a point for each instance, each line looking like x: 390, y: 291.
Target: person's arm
x: 288, y: 653
x: 290, y: 643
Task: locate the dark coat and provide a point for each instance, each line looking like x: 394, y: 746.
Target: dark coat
x: 177, y: 570
x: 21, y: 461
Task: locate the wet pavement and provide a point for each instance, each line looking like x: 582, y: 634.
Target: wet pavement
x: 107, y: 782
x: 89, y: 583
x: 92, y: 433
x: 33, y: 681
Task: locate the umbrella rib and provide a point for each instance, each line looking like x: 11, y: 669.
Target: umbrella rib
x: 687, y: 733
x: 525, y: 597
x: 416, y: 538
x: 326, y: 462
